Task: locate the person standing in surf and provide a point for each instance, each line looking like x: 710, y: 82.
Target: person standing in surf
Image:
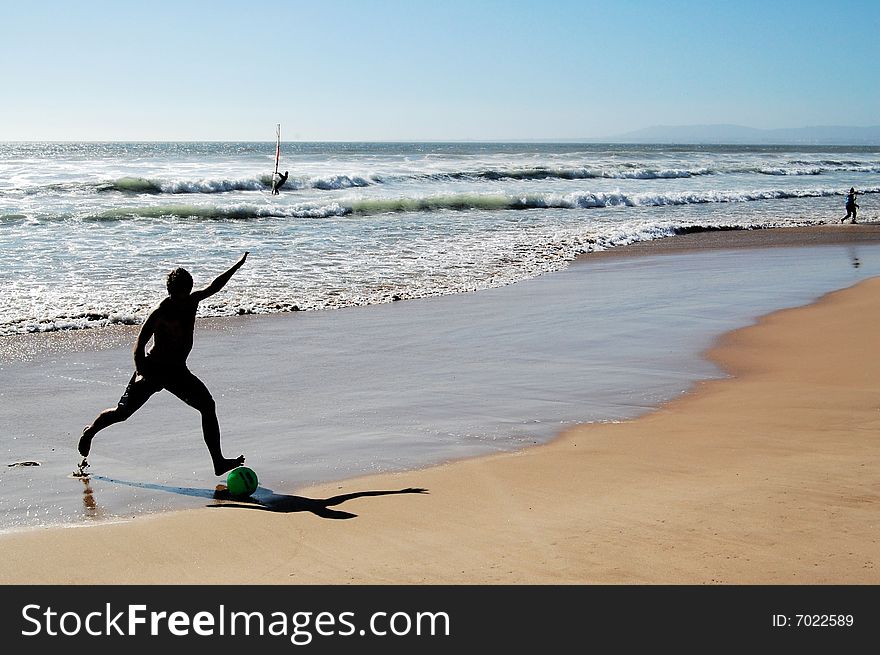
x: 278, y: 179
x: 851, y: 206
x: 170, y: 326
x: 278, y: 182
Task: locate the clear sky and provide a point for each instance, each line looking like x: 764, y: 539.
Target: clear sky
x: 430, y: 69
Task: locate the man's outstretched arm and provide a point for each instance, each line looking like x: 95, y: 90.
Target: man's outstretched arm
x: 220, y: 281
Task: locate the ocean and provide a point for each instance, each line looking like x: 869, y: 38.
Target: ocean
x: 87, y: 230
x: 336, y: 391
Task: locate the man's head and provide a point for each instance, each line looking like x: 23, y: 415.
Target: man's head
x: 179, y: 282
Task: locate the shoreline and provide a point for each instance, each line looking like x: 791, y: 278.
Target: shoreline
x: 636, y: 501
x: 23, y: 347
x: 735, y: 239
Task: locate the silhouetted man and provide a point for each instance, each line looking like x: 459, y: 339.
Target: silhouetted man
x: 278, y: 183
x: 171, y: 326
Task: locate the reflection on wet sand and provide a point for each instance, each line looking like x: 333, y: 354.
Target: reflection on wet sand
x: 91, y: 509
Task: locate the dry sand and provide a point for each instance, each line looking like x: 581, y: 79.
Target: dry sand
x: 770, y: 476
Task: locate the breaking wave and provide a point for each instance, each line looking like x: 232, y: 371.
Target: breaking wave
x: 260, y: 183
x: 547, y: 173
x: 334, y: 182
x: 343, y: 181
x: 459, y: 202
x: 79, y: 321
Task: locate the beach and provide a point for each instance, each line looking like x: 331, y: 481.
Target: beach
x: 762, y: 473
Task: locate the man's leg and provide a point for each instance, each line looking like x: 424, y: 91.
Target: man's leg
x: 194, y: 393
x: 136, y: 394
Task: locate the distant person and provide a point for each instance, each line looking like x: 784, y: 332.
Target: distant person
x: 851, y: 206
x: 171, y: 326
x: 278, y: 183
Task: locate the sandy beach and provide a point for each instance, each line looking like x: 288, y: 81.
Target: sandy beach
x: 766, y: 476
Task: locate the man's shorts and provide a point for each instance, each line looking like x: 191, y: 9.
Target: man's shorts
x: 178, y: 379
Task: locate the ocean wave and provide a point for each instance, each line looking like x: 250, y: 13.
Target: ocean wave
x: 785, y: 170
x: 459, y: 202
x: 335, y: 182
x: 343, y: 181
x: 814, y: 168
x: 578, y: 200
x: 131, y: 185
x: 259, y: 183
x: 137, y: 185
x: 832, y: 163
x: 158, y: 186
x: 65, y: 322
x: 220, y: 212
x: 630, y: 172
x: 549, y: 173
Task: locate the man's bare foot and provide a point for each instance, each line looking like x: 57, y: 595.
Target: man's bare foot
x: 226, y: 465
x: 85, y: 441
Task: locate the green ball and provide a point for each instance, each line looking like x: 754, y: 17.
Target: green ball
x: 241, y: 481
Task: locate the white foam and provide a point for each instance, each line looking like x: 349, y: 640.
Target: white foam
x: 366, y: 224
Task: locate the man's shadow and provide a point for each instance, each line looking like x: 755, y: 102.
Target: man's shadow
x: 267, y: 500
x: 272, y: 502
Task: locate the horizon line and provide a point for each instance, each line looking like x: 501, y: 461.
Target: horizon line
x: 559, y: 141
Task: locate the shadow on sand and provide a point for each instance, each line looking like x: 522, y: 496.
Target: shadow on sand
x: 267, y: 500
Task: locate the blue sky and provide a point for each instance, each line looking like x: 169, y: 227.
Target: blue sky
x: 430, y: 70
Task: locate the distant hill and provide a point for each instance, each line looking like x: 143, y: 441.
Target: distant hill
x: 738, y: 134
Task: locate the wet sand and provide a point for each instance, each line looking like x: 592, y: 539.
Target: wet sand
x: 784, y: 237
x: 769, y: 475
